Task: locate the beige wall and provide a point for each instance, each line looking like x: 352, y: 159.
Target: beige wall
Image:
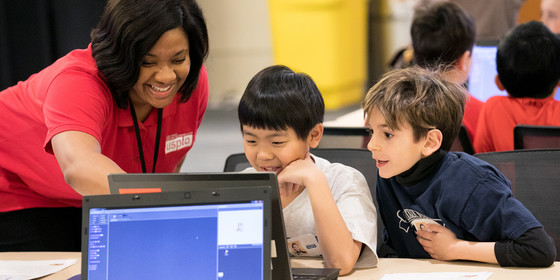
x: 240, y: 46
x: 241, y: 42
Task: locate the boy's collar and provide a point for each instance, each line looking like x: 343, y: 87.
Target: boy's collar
x: 421, y: 169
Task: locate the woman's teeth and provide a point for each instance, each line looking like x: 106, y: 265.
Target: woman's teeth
x: 160, y: 89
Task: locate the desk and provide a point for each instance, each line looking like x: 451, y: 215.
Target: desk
x: 385, y: 266
x: 37, y: 256
x: 394, y: 265
x: 352, y: 119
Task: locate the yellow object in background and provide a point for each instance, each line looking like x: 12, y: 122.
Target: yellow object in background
x: 325, y: 39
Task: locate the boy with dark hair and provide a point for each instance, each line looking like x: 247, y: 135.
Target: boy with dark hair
x: 443, y: 36
x: 326, y: 206
x: 440, y: 204
x: 528, y: 64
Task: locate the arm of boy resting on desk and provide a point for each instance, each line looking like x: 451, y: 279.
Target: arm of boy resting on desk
x: 442, y: 244
x: 534, y: 248
x: 338, y: 247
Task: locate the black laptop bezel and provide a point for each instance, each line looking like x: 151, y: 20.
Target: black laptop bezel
x: 281, y: 267
x: 177, y: 198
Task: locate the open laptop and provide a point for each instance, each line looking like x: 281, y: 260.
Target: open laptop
x: 281, y: 268
x: 198, y: 234
x: 483, y: 70
x: 481, y: 82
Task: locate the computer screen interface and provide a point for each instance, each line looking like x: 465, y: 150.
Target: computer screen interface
x: 221, y: 241
x: 481, y: 82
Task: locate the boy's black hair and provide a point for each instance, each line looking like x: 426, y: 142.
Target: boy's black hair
x: 528, y: 61
x: 441, y: 33
x: 277, y: 98
x: 128, y: 29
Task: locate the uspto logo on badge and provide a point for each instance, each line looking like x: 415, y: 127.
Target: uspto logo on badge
x: 177, y: 142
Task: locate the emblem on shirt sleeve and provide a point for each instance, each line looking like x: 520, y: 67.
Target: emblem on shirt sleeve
x: 177, y: 142
x: 411, y: 218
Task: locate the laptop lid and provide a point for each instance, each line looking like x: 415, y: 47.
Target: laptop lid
x: 129, y: 183
x: 198, y: 234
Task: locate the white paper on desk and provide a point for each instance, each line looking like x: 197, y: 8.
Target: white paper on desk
x: 22, y: 270
x: 438, y: 276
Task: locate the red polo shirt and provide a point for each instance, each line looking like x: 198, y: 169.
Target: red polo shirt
x: 70, y: 95
x: 500, y: 114
x: 472, y: 113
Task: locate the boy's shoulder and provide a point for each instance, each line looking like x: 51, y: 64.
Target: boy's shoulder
x: 459, y: 166
x: 496, y: 99
x: 461, y: 159
x: 509, y: 101
x: 339, y: 172
x: 327, y: 167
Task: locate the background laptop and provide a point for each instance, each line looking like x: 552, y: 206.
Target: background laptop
x: 201, y: 234
x: 281, y: 268
x: 481, y: 79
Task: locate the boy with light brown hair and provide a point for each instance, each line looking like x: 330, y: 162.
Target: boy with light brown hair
x: 440, y: 204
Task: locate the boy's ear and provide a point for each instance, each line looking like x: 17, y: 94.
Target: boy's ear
x: 432, y: 142
x: 499, y: 83
x: 464, y: 62
x: 315, y: 135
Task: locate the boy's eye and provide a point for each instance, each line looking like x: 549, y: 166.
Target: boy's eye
x: 250, y: 141
x: 278, y: 143
x: 388, y: 135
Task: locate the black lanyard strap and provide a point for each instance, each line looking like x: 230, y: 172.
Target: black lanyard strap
x: 139, y: 139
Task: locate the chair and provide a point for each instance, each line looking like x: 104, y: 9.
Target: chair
x: 463, y: 142
x: 536, y: 137
x: 535, y: 177
x: 344, y: 137
x: 360, y: 159
x: 358, y: 137
x: 236, y: 162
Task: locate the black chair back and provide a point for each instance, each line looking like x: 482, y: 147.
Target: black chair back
x: 536, y: 137
x: 344, y: 137
x: 535, y: 181
x: 463, y: 142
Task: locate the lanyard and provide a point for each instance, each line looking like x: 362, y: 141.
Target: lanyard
x: 139, y: 140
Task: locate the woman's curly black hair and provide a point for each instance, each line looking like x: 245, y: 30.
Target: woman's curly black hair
x: 128, y: 29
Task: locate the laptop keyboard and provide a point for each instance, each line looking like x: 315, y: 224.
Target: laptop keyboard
x: 308, y: 277
x: 315, y: 273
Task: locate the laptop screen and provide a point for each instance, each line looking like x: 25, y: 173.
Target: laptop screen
x: 483, y: 71
x: 140, y: 183
x: 205, y: 241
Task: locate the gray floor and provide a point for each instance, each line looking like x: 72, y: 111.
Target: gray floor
x: 219, y: 136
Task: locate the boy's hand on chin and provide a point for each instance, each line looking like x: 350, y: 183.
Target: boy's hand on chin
x: 287, y: 189
x: 296, y: 175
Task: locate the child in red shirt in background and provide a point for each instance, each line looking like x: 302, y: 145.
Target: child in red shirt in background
x: 443, y: 36
x: 528, y: 64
